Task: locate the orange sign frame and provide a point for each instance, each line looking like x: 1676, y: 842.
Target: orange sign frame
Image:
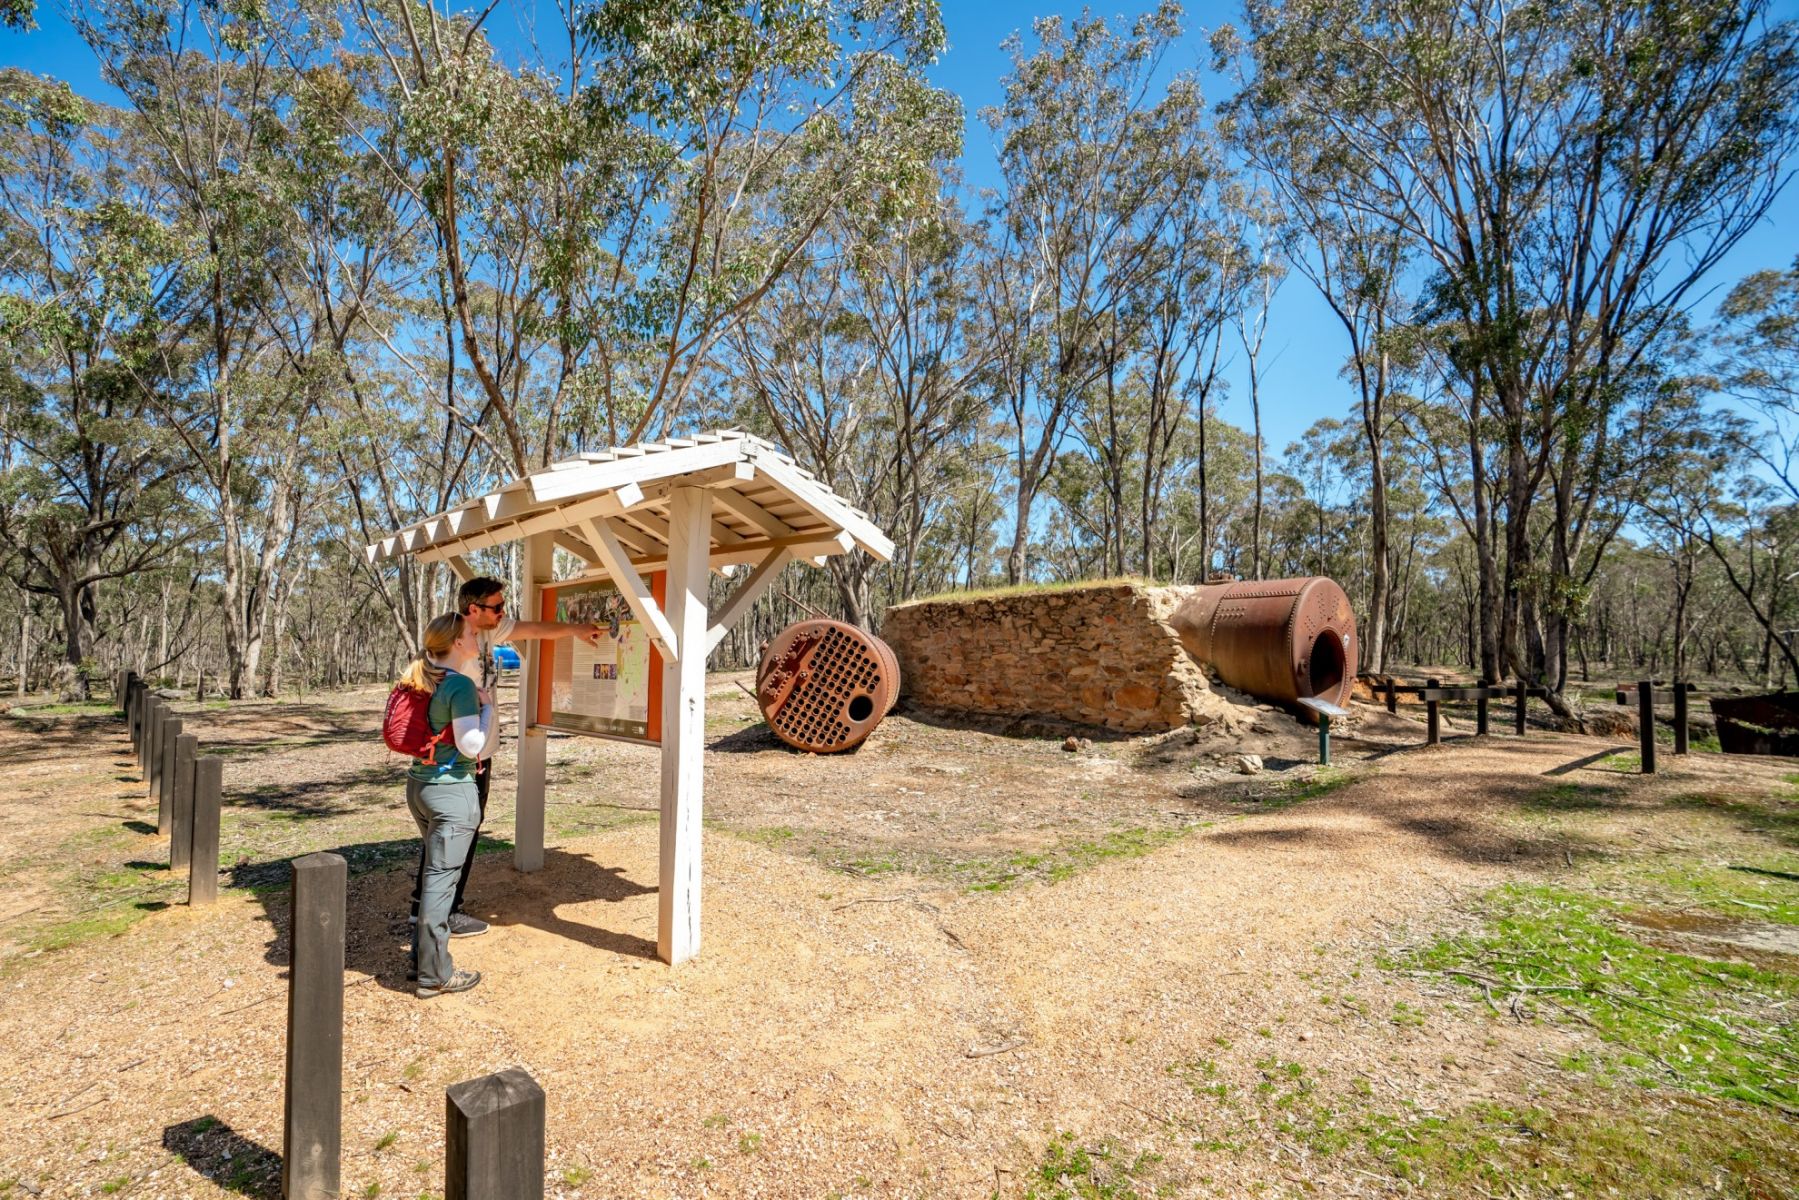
x: 658, y: 582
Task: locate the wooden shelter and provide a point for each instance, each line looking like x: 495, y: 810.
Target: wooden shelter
x: 687, y: 506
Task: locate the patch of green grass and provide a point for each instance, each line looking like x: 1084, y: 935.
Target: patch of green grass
x: 1070, y: 1170
x: 1496, y: 1149
x: 387, y: 1139
x: 574, y: 1177
x: 1777, y: 816
x: 1672, y: 1019
x: 1766, y: 889
x: 749, y: 1143
x: 113, y: 1187
x: 1321, y: 782
x: 110, y: 922
x: 1063, y: 860
x: 80, y: 708
x: 773, y: 836
x: 876, y: 864
x: 580, y: 820
x: 1031, y: 589
x: 1575, y: 797
x: 1406, y: 1016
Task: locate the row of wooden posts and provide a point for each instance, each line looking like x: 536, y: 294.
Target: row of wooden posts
x: 494, y: 1137
x: 494, y: 1125
x: 184, y: 783
x: 1645, y: 692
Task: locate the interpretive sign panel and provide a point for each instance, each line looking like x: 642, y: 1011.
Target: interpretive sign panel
x: 610, y: 687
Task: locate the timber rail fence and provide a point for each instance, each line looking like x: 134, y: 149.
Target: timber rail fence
x: 1644, y: 693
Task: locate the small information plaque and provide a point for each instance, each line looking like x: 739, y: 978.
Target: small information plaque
x: 1323, y: 708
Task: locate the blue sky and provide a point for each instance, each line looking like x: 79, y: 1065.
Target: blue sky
x: 1305, y: 346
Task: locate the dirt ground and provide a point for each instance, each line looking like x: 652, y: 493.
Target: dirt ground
x: 958, y: 962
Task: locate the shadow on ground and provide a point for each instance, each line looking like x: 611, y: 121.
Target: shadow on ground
x: 215, y: 1151
x: 377, y: 937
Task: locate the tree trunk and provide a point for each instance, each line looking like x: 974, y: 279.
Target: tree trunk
x: 77, y: 604
x: 1374, y: 644
x: 24, y: 646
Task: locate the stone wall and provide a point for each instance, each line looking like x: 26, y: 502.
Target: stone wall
x: 1101, y: 655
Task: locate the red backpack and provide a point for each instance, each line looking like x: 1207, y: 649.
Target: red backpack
x: 406, y: 725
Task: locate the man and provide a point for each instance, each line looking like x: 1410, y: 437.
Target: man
x: 482, y: 603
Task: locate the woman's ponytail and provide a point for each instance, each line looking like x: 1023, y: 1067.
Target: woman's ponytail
x: 441, y: 636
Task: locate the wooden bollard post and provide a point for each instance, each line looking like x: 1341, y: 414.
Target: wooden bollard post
x: 203, y: 861
x: 1523, y: 702
x: 1433, y: 722
x: 494, y: 1138
x: 1392, y: 695
x: 1646, y: 723
x: 132, y: 696
x: 153, y: 744
x: 1480, y: 711
x: 140, y: 721
x: 181, y: 801
x: 163, y: 783
x: 312, y: 1128
x: 1681, y: 733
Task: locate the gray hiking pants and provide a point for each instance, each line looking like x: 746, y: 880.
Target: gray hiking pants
x: 447, y: 813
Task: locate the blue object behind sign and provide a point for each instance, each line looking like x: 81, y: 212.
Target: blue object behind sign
x: 505, y: 658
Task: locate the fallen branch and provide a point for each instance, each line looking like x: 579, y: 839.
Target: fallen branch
x: 990, y: 1051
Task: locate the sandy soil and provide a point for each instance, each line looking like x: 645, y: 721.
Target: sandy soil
x: 859, y: 1021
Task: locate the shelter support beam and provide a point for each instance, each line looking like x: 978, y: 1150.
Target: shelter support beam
x: 533, y: 741
x: 746, y: 594
x: 683, y: 727
x: 632, y: 586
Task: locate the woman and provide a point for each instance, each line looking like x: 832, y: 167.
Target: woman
x: 441, y: 793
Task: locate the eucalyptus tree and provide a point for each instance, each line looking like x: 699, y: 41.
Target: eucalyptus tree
x: 207, y: 91
x: 1093, y: 164
x: 1258, y: 223
x: 629, y: 207
x: 90, y: 477
x: 1570, y: 173
x: 1756, y: 340
x: 1356, y: 260
x: 864, y: 362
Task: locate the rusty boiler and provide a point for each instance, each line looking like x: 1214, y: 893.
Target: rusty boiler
x: 824, y: 685
x: 1280, y: 640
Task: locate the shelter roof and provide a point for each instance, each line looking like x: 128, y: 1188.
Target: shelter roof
x: 617, y: 501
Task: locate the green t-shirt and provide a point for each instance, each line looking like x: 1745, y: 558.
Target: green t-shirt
x: 455, y: 697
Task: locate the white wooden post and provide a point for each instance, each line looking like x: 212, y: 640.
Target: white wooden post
x: 533, y: 744
x: 683, y: 726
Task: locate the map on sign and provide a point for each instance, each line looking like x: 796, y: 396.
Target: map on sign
x: 602, y: 686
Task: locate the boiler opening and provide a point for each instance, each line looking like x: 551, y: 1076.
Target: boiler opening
x: 1327, y: 664
x: 862, y: 707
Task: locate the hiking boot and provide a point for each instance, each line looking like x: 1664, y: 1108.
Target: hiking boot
x: 459, y: 981
x: 463, y: 925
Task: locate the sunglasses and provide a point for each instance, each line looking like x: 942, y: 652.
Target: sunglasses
x: 492, y: 608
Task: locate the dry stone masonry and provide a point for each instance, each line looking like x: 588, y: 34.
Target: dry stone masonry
x: 1100, y: 655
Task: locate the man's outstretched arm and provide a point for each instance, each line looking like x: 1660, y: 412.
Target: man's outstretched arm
x: 554, y: 629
